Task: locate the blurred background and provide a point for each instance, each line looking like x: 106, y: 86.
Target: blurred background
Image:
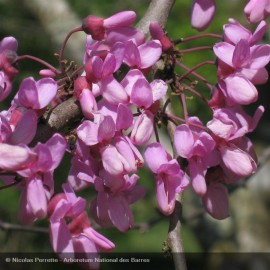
x: 40, y: 27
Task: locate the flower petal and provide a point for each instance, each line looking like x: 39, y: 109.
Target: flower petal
x: 124, y: 117
x: 88, y: 132
x: 183, y: 141
x: 123, y: 18
x: 61, y: 240
x: 237, y: 160
x: 166, y: 195
x: 159, y: 89
x: 197, y: 175
x: 224, y: 51
x: 240, y: 90
x: 47, y: 89
x: 36, y: 198
x: 216, y: 201
x: 155, y: 155
x: 141, y: 94
x: 120, y: 213
x: 150, y: 53
x: 202, y: 14
x: 15, y: 157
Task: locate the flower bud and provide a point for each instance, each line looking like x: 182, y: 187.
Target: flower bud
x: 158, y: 33
x: 143, y: 129
x: 80, y: 84
x: 7, y: 61
x: 45, y: 73
x: 203, y: 12
x: 93, y: 25
x: 88, y: 103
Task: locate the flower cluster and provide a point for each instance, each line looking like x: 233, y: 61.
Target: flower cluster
x: 120, y: 92
x: 119, y: 102
x: 221, y: 153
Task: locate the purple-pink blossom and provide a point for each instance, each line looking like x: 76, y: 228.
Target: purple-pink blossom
x: 257, y: 10
x: 115, y: 194
x: 203, y: 12
x: 170, y: 179
x: 71, y: 233
x: 38, y: 178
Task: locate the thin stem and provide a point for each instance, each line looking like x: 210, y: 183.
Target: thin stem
x: 202, y: 48
x: 193, y: 91
x: 10, y: 185
x: 26, y: 56
x: 61, y: 53
x: 179, y: 119
x: 187, y: 39
x: 184, y: 104
x: 196, y: 67
x: 209, y: 85
x: 76, y: 71
x: 144, y: 226
x: 173, y: 117
x: 156, y: 132
x: 17, y: 227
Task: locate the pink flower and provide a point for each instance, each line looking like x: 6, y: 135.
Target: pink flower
x: 143, y: 128
x: 5, y: 86
x: 158, y: 33
x: 98, y: 27
x: 144, y: 55
x: 142, y: 93
x: 121, y: 114
x: 124, y: 34
x: 8, y: 43
x: 243, y: 60
x: 203, y: 12
x: 170, y: 179
x: 236, y: 151
x: 238, y: 156
x: 82, y: 91
x: 76, y: 239
x: 36, y: 94
x: 14, y: 158
x: 216, y: 198
x: 98, y: 69
x: 198, y: 147
x: 257, y: 10
x: 22, y: 124
x: 8, y: 55
x: 120, y: 158
x: 124, y: 118
x: 112, y: 91
x: 115, y: 194
x: 83, y: 167
x: 39, y: 185
x: 231, y: 123
x: 238, y: 90
x: 102, y: 130
x: 234, y: 32
x: 47, y: 73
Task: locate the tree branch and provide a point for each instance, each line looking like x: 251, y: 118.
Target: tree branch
x: 174, y: 240
x: 158, y: 10
x: 59, y: 118
x: 17, y: 227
